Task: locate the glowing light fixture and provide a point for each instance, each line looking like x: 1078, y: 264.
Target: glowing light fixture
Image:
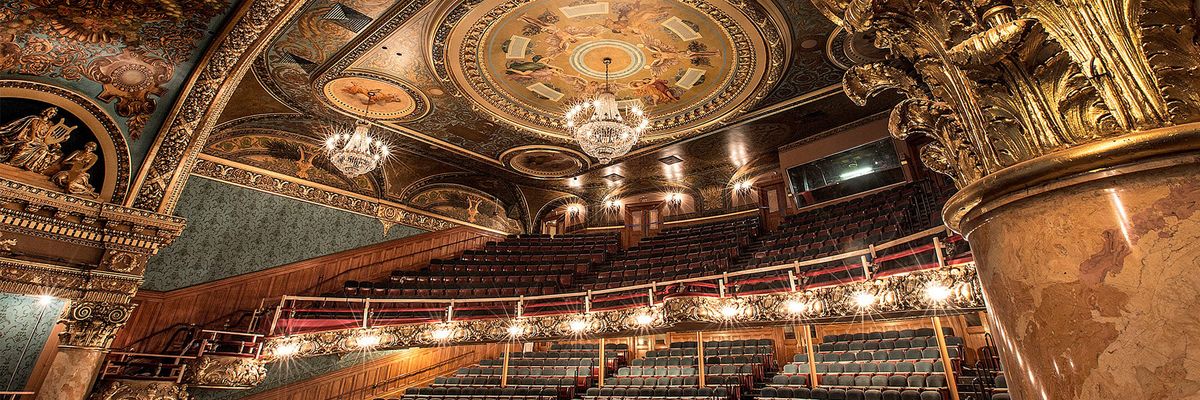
x: 601, y: 129
x: 674, y: 197
x: 517, y: 329
x: 795, y: 307
x: 368, y: 340
x: 644, y: 319
x: 864, y: 300
x: 287, y: 349
x: 442, y: 334
x: 578, y: 325
x: 936, y: 292
x: 854, y: 173
x: 742, y: 186
x: 354, y: 151
x: 45, y: 299
x: 730, y: 311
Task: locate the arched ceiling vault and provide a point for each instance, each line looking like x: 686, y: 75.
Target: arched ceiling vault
x: 474, y: 87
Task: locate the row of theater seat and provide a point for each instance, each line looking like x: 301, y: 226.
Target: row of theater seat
x: 849, y: 394
x: 491, y: 393
x: 679, y: 393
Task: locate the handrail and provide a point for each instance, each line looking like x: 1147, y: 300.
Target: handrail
x: 772, y: 268
x: 176, y: 327
x: 406, y: 375
x: 721, y: 280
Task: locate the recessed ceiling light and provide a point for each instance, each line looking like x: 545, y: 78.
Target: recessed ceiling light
x: 614, y: 177
x: 670, y: 160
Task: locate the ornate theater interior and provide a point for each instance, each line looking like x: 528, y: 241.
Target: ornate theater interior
x: 599, y: 199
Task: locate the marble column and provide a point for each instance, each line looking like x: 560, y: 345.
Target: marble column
x: 89, y: 328
x: 1072, y: 129
x: 1090, y: 278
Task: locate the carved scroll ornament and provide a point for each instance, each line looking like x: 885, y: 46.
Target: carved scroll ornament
x: 993, y: 83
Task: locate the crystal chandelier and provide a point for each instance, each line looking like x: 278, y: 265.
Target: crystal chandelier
x: 354, y: 151
x: 600, y: 127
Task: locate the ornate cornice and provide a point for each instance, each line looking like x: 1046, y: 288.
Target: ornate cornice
x: 33, y: 278
x: 195, y: 114
x: 388, y: 213
x: 995, y: 84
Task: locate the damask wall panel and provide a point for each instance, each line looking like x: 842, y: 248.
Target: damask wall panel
x: 19, y: 319
x: 130, y: 56
x: 233, y: 230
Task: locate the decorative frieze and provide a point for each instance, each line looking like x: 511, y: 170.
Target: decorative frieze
x: 209, y: 371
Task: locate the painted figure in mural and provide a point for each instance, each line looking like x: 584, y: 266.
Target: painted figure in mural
x: 73, y: 175
x: 473, y: 208
x: 34, y: 142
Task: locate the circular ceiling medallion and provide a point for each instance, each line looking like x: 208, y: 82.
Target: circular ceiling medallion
x: 689, y: 63
x: 391, y: 100
x: 545, y: 162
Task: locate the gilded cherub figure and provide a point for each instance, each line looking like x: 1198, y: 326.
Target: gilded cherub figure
x: 73, y: 176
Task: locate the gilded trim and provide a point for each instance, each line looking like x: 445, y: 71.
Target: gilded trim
x: 1039, y: 174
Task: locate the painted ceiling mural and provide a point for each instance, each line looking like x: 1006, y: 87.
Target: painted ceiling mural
x: 469, y: 93
x: 131, y: 55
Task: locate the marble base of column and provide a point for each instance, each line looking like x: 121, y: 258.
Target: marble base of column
x: 71, y: 374
x: 1088, y: 260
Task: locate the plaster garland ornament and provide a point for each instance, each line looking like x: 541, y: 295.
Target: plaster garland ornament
x: 226, y: 372
x: 141, y: 390
x: 995, y: 83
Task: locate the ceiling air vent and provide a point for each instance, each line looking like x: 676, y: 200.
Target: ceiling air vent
x: 304, y: 63
x: 670, y: 160
x: 347, y: 17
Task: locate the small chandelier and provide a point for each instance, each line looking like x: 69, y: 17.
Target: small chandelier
x: 354, y: 151
x: 600, y: 127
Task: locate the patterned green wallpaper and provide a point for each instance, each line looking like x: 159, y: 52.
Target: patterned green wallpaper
x: 232, y: 230
x: 19, y: 318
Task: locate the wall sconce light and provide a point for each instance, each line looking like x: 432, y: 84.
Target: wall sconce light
x: 287, y: 349
x: 613, y: 205
x: 367, y: 340
x: 742, y: 186
x: 574, y: 209
x: 675, y: 198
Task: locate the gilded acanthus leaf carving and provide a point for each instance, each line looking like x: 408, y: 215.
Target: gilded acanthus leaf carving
x: 994, y: 83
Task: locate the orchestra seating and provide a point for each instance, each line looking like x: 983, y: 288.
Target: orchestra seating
x: 1001, y: 389
x: 552, y: 375
x: 878, y: 365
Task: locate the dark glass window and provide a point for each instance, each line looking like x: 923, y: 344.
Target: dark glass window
x: 859, y: 169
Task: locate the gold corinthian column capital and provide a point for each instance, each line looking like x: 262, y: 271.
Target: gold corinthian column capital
x: 1072, y: 129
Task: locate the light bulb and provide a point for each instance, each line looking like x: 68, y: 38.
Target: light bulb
x: 936, y: 292
x: 45, y: 299
x: 368, y: 341
x: 578, y: 325
x: 729, y: 311
x: 864, y: 299
x: 644, y: 319
x: 287, y: 349
x: 516, y: 330
x: 795, y: 307
x: 441, y: 334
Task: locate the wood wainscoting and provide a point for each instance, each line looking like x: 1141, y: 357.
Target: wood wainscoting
x: 226, y: 301
x: 386, y: 377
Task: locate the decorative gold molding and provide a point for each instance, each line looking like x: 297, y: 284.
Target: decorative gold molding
x: 202, y: 101
x: 225, y: 372
x: 92, y: 324
x: 995, y: 84
x: 387, y: 212
x: 141, y: 390
x: 897, y: 296
x: 1104, y: 159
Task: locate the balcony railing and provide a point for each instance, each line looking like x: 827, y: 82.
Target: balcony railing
x: 309, y: 325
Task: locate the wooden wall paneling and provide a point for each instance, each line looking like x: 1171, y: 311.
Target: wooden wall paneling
x: 209, y: 304
x: 389, y: 373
